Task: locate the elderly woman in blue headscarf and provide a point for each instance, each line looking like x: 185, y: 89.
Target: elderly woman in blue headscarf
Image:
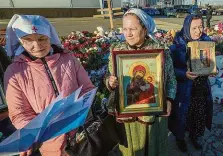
x: 146, y: 135
x: 193, y: 103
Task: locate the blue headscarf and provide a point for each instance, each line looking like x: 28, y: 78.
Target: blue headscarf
x: 22, y: 25
x: 183, y: 37
x: 146, y: 20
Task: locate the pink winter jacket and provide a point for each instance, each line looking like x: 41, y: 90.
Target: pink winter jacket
x: 29, y: 90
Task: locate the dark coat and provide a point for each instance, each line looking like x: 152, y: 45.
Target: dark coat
x: 4, y: 62
x: 184, y: 85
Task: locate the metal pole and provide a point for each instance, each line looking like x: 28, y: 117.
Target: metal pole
x: 101, y: 6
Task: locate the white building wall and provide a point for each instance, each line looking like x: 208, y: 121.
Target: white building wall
x: 41, y: 3
x: 85, y: 3
x: 54, y: 3
x: 116, y: 3
x: 5, y: 4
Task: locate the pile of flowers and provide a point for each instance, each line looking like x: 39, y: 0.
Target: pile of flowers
x: 2, y: 37
x: 216, y: 33
x: 87, y: 48
x: 217, y: 81
x: 92, y: 50
x: 165, y: 37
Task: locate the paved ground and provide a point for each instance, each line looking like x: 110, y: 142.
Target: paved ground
x: 213, y: 141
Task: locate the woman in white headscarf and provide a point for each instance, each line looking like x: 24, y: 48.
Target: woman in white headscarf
x: 40, y: 71
x: 144, y: 138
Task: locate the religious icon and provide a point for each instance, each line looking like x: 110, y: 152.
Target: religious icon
x: 140, y: 90
x: 205, y: 57
x: 140, y: 76
x: 202, y: 57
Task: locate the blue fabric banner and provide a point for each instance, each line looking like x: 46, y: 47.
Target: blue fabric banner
x: 61, y: 116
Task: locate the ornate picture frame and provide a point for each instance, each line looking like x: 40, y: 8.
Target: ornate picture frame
x: 141, y: 89
x: 202, y: 57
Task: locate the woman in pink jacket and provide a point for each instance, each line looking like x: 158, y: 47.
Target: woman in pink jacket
x: 41, y: 69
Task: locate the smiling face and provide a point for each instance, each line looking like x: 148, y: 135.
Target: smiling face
x: 36, y: 45
x: 196, y: 29
x: 133, y: 31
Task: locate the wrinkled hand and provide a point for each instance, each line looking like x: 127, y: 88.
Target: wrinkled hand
x: 113, y: 82
x: 191, y: 75
x: 214, y: 74
x: 169, y: 108
x: 27, y: 153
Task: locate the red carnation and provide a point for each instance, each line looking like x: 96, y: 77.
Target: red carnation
x: 66, y: 44
x: 103, y: 45
x: 85, y: 32
x: 94, y: 45
x: 93, y: 39
x: 71, y: 47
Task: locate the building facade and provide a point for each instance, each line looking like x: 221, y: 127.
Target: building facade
x: 54, y: 3
x: 52, y: 8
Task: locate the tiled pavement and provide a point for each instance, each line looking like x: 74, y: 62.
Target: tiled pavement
x: 212, y: 140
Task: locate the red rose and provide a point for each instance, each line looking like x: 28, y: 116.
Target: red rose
x: 73, y: 38
x: 66, y: 44
x: 94, y: 45
x: 103, y: 45
x: 71, y: 47
x: 85, y: 32
x: 93, y: 39
x: 86, y: 55
x: 75, y: 55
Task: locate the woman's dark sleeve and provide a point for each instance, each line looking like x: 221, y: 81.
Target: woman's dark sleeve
x: 4, y: 59
x: 179, y: 72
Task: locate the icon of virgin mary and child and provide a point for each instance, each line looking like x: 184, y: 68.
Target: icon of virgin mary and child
x: 140, y: 90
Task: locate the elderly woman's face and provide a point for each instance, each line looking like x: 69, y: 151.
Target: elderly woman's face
x: 36, y: 45
x: 133, y: 31
x: 196, y: 29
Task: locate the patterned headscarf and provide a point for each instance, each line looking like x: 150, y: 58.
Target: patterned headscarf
x: 186, y: 26
x: 183, y: 37
x: 22, y: 25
